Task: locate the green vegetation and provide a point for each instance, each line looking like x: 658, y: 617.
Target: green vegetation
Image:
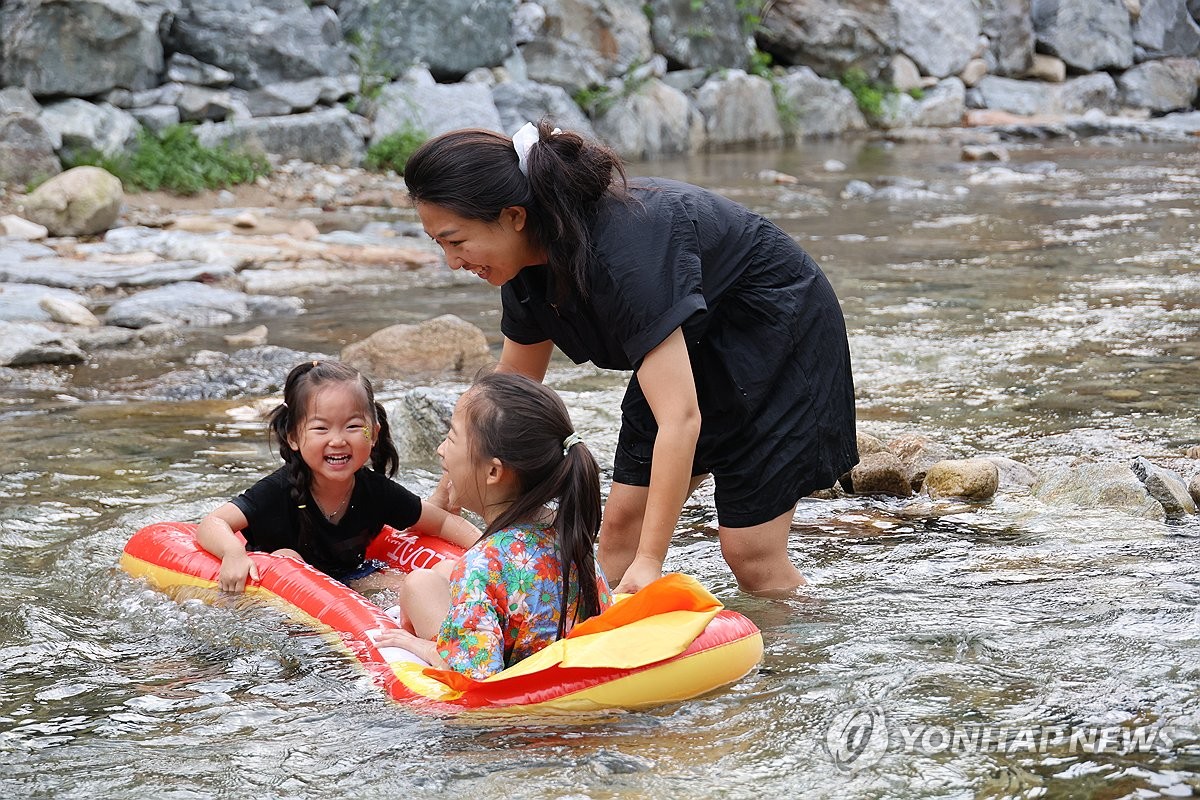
x: 867, y: 93
x: 176, y: 162
x: 393, y: 151
x: 594, y: 100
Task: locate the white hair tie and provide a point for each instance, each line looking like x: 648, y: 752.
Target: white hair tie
x: 571, y: 440
x: 523, y: 140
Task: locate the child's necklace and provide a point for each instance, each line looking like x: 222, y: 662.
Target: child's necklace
x: 331, y: 515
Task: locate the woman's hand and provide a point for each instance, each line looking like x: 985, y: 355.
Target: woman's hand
x: 642, y: 572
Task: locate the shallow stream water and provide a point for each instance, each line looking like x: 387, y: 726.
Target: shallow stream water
x: 1044, y: 309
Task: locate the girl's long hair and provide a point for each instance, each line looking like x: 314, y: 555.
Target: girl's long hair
x: 523, y: 424
x: 474, y: 173
x: 287, y: 421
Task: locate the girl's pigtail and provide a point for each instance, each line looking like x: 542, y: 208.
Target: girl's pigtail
x: 384, y: 457
x: 577, y: 521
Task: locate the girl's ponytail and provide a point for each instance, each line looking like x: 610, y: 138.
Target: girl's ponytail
x: 384, y: 457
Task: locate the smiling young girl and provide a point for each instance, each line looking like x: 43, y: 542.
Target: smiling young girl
x: 324, y: 505
x: 511, y: 456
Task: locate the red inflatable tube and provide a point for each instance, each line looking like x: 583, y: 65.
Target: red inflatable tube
x: 669, y: 642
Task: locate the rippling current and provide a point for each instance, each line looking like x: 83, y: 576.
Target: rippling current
x: 1045, y: 308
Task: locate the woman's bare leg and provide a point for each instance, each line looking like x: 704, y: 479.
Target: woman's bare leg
x: 759, y: 559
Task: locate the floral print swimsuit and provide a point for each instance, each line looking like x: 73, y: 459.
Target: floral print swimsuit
x: 505, y: 594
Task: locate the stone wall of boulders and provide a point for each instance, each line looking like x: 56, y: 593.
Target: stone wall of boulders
x: 320, y: 80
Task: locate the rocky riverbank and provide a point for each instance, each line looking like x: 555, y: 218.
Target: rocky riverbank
x: 324, y: 82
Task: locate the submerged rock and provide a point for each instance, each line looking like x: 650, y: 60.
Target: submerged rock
x: 969, y: 478
x: 1098, y: 486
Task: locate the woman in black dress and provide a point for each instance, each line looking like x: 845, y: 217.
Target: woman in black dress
x: 735, y: 337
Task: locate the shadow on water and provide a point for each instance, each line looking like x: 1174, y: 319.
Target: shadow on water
x: 1043, y: 309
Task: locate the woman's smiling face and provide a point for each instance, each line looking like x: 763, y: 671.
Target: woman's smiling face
x: 494, y: 251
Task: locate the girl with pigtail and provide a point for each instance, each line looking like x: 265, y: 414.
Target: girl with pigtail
x: 513, y: 457
x: 324, y: 505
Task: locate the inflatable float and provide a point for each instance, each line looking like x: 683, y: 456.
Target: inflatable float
x: 669, y: 642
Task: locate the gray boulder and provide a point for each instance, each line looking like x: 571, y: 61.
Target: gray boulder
x: 1095, y: 91
x: 259, y: 41
x: 941, y: 36
x: 739, y: 109
x: 656, y: 120
x: 328, y: 136
x: 581, y: 43
x: 77, y: 126
x: 518, y: 102
x: 451, y: 37
x: 80, y: 47
x: 1168, y: 488
x: 830, y: 36
x: 22, y: 302
x: 24, y: 343
x: 195, y: 304
x: 1088, y: 35
x: 26, y: 150
x: 1008, y: 26
x: 712, y: 35
x: 1097, y: 486
x: 418, y: 103
x: 1165, y: 29
x: 818, y: 106
x: 1170, y: 84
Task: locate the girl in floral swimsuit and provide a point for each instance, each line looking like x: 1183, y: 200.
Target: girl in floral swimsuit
x: 511, y: 453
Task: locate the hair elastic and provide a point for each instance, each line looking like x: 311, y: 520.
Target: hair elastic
x: 523, y: 141
x: 571, y: 440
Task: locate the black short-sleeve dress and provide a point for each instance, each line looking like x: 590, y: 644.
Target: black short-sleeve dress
x: 337, y: 549
x: 764, y: 330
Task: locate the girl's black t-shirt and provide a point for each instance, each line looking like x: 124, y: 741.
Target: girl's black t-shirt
x: 335, y: 549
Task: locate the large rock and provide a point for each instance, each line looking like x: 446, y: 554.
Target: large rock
x: 80, y: 201
x: 879, y: 473
x: 78, y: 126
x: 24, y: 343
x: 969, y: 478
x: 739, y: 109
x: 328, y: 136
x: 1170, y: 84
x: 580, y: 43
x: 518, y: 102
x: 1089, y: 35
x: 1097, y: 486
x: 419, y: 103
x: 1167, y: 487
x: 710, y: 35
x: 451, y: 37
x: 260, y: 41
x: 830, y: 36
x: 654, y: 121
x: 1165, y: 29
x: 818, y: 106
x: 80, y: 47
x: 1008, y: 26
x: 26, y: 150
x: 941, y: 36
x: 444, y: 345
x: 918, y: 453
x: 195, y: 304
